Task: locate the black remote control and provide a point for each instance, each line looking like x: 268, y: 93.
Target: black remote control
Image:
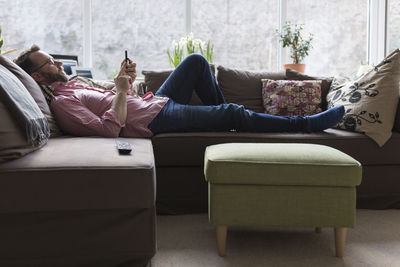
x: 123, y: 147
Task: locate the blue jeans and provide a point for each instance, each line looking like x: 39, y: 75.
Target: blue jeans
x: 194, y: 74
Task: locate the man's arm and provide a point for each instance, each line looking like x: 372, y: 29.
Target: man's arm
x: 119, y: 101
x: 123, y: 83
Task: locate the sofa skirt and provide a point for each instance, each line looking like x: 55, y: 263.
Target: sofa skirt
x: 124, y: 237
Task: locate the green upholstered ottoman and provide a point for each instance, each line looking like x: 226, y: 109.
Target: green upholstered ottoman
x: 294, y: 185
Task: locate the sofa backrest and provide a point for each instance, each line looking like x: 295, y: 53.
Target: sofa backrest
x: 244, y: 87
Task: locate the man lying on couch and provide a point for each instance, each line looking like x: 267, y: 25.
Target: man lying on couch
x: 82, y: 110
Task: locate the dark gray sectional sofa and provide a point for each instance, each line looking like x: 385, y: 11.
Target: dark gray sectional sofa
x: 77, y: 202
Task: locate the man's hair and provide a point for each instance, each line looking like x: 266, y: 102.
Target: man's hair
x: 24, y: 61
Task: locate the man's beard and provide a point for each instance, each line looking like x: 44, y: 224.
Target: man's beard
x: 54, y: 77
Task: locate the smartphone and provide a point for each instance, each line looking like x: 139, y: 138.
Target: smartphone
x: 126, y: 57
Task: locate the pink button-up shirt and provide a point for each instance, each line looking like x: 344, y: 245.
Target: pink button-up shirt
x: 83, y: 110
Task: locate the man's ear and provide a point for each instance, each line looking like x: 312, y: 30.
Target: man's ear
x: 37, y: 77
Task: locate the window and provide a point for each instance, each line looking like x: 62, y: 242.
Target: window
x: 54, y: 25
x: 393, y: 25
x: 340, y: 34
x: 145, y: 28
x: 243, y: 32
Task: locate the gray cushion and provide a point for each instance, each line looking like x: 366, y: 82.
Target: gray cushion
x: 244, y: 87
x: 13, y: 142
x: 153, y: 79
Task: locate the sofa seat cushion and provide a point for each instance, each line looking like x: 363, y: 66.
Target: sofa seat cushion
x: 77, y: 173
x: 280, y: 164
x: 190, y: 151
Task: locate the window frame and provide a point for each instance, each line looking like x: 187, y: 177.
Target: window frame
x: 377, y: 31
x: 377, y: 45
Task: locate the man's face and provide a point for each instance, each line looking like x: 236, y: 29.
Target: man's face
x: 46, y: 70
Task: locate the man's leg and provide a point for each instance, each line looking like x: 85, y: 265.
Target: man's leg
x: 192, y: 74
x: 175, y: 117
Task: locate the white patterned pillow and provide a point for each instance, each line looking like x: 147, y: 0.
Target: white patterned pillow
x: 370, y: 100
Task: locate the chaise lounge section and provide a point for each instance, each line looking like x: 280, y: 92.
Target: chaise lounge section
x: 77, y: 202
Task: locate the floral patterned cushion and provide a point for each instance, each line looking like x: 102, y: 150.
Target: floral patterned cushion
x: 370, y: 100
x: 291, y: 98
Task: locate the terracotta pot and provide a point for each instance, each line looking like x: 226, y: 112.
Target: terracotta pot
x: 296, y: 67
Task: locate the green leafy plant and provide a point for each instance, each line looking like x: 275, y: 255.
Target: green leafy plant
x: 291, y: 36
x: 208, y: 51
x: 191, y: 44
x: 188, y: 45
x: 175, y: 57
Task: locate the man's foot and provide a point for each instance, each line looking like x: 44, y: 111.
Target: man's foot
x: 325, y: 120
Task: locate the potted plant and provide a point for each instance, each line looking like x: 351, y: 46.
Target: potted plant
x: 291, y: 36
x: 190, y: 45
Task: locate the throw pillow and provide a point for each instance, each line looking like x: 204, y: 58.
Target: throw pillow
x: 13, y: 138
x: 13, y: 143
x: 35, y: 92
x: 325, y: 85
x: 153, y: 79
x: 371, y: 100
x: 291, y: 98
x: 244, y: 87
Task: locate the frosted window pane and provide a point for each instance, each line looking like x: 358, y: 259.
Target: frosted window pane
x: 394, y: 25
x: 243, y: 32
x: 340, y: 34
x: 145, y: 28
x: 54, y: 25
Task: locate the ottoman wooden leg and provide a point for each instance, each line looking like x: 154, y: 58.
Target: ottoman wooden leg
x: 318, y: 230
x: 221, y: 239
x: 340, y: 239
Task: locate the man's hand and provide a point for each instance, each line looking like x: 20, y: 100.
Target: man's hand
x: 128, y: 69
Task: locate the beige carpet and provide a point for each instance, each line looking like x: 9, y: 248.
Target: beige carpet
x: 189, y: 241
